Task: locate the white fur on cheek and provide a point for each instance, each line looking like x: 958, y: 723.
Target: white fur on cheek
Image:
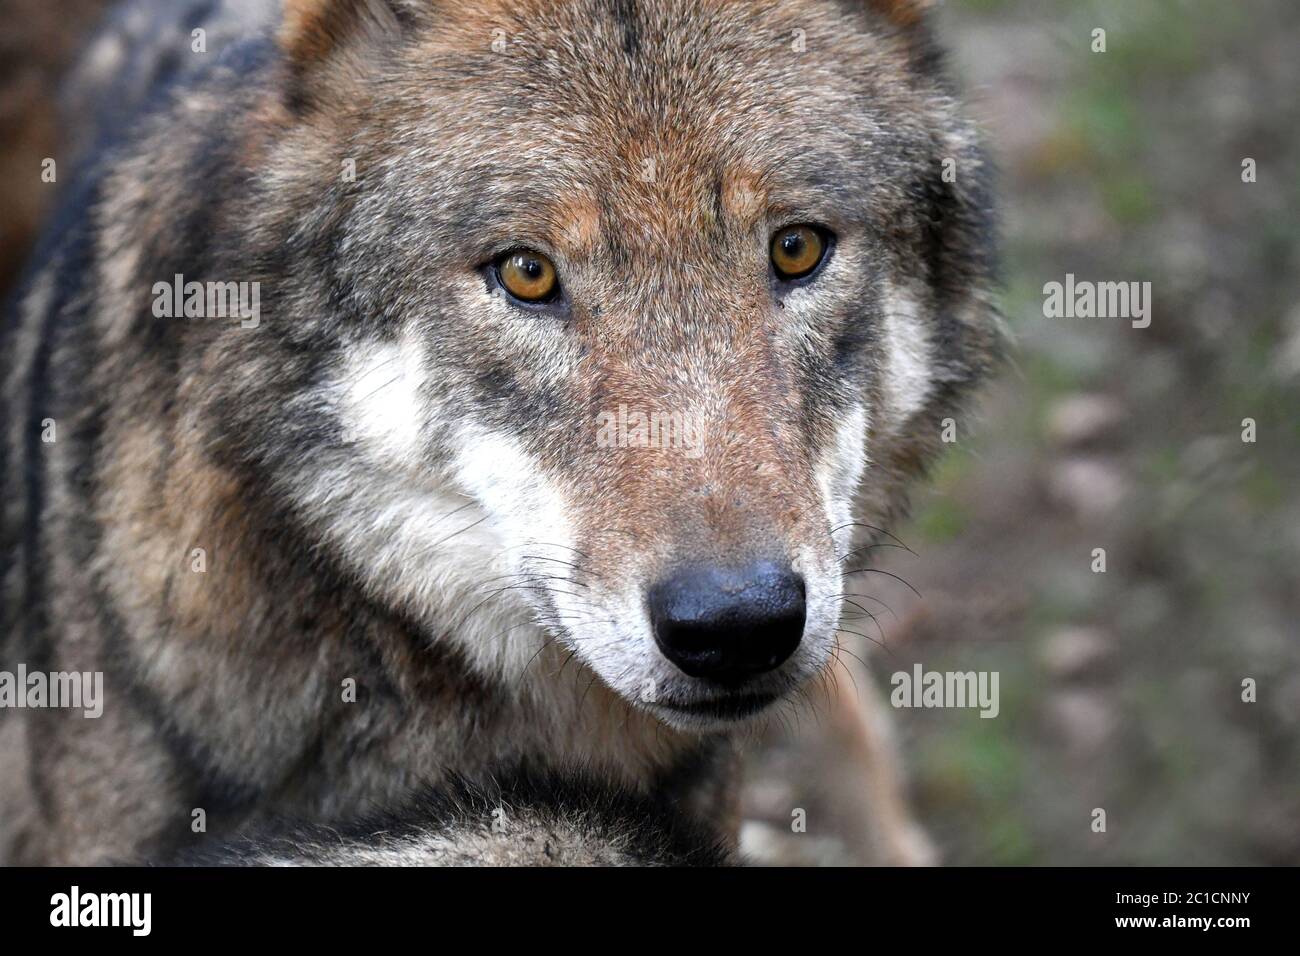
x: 507, y: 481
x: 838, y: 474
x: 381, y: 407
x: 528, y: 512
x: 441, y: 550
x: 840, y: 471
x: 906, y: 360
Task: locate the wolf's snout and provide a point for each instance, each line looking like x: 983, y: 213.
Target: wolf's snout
x: 728, y: 625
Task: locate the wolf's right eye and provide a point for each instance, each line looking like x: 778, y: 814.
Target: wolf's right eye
x: 528, y: 276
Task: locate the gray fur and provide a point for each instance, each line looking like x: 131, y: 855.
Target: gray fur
x: 517, y: 819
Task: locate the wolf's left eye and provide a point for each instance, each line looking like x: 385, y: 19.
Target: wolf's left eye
x: 528, y: 276
x: 798, y: 250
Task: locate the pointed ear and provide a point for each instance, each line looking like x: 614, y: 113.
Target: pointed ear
x: 326, y: 43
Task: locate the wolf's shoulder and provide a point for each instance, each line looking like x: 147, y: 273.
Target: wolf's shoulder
x: 517, y: 818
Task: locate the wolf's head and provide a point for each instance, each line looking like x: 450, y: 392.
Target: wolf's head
x: 626, y: 316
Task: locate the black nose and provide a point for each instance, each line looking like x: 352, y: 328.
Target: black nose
x: 728, y: 625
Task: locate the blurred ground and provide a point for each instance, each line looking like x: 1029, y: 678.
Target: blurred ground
x: 1119, y: 690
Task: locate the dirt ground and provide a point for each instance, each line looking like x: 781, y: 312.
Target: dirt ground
x: 1120, y: 690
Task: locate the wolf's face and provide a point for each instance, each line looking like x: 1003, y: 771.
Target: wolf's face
x: 653, y: 304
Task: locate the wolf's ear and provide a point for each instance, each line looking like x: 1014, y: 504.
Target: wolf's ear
x: 903, y: 13
x: 325, y: 41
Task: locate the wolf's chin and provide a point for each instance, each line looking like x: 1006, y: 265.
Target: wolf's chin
x: 715, y: 714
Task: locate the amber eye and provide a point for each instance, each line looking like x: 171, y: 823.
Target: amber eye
x: 528, y: 276
x: 797, y: 251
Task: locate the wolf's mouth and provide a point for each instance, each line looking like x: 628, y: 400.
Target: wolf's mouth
x: 729, y: 707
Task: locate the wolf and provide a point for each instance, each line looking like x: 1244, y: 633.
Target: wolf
x: 372, y: 539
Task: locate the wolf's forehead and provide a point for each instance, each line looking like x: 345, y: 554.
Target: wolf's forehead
x: 678, y: 211
x: 651, y: 120
x: 663, y: 68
